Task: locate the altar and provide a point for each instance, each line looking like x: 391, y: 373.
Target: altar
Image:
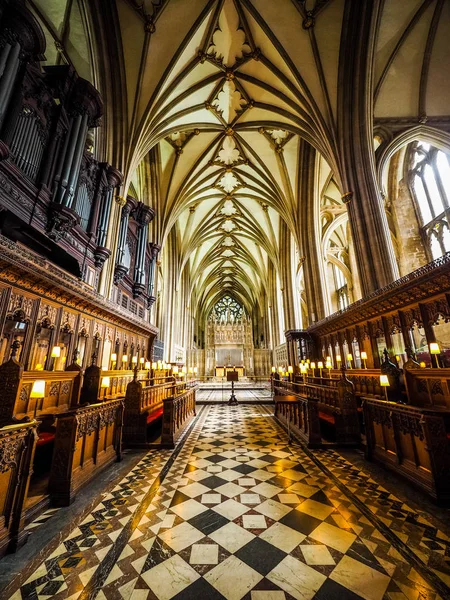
x: 222, y: 371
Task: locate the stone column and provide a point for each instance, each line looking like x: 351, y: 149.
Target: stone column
x: 313, y: 263
x: 373, y: 245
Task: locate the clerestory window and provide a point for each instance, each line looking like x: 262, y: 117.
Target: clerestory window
x: 341, y: 288
x: 430, y: 183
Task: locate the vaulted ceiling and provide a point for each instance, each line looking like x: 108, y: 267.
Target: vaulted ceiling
x: 221, y: 93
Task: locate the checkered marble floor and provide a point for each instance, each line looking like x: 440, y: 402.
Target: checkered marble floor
x: 237, y: 513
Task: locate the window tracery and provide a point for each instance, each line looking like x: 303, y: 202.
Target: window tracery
x: 430, y: 186
x: 227, y: 309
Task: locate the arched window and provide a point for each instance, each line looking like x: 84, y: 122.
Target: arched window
x: 227, y: 308
x: 430, y: 182
x: 340, y: 285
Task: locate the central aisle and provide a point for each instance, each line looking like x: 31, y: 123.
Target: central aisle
x: 237, y: 513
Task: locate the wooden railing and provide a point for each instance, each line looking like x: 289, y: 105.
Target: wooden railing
x: 59, y: 387
x: 178, y: 412
x: 143, y: 404
x: 17, y: 446
x: 87, y: 440
x: 428, y: 387
x: 365, y: 381
x: 411, y: 441
x: 336, y: 404
x: 301, y: 416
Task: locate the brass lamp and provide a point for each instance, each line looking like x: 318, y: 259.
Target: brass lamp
x: 38, y: 392
x: 56, y: 353
x: 384, y: 383
x: 364, y: 358
x: 434, y: 349
x: 320, y: 366
x: 349, y: 358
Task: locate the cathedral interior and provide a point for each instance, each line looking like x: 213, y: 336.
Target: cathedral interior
x: 224, y: 299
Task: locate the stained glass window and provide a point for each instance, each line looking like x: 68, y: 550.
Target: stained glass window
x: 226, y: 308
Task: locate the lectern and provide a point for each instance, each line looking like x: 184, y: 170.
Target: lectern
x: 232, y: 376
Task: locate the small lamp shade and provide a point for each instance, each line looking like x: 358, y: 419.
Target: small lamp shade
x: 125, y: 358
x: 364, y: 355
x: 147, y: 365
x: 303, y: 369
x: 280, y: 369
x: 154, y: 365
x: 349, y: 357
x: 290, y: 369
x: 134, y: 360
x: 434, y: 348
x: 328, y: 364
x: 183, y: 370
x: 384, y: 381
x: 313, y: 365
x: 56, y: 352
x: 159, y: 364
x: 106, y: 382
x: 142, y: 360
x: 273, y: 369
x: 175, y: 370
x: 328, y: 358
x: 191, y: 370
x: 38, y: 389
x: 113, y: 357
x: 195, y: 370
x: 307, y: 361
x: 320, y: 364
x: 338, y: 358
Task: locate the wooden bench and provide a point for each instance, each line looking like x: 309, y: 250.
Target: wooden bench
x: 301, y: 416
x: 143, y: 406
x: 178, y: 413
x: 412, y: 441
x: 17, y: 446
x: 88, y: 439
x: 336, y: 406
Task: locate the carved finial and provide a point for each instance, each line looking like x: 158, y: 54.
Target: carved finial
x: 15, y: 349
x: 75, y: 355
x: 386, y: 356
x: 135, y: 373
x: 94, y: 358
x: 409, y: 353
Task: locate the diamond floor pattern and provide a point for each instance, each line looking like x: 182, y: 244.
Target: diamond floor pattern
x: 242, y: 515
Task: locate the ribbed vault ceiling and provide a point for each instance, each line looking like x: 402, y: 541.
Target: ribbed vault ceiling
x: 228, y: 111
x: 221, y: 92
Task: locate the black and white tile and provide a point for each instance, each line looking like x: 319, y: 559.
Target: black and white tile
x: 238, y: 513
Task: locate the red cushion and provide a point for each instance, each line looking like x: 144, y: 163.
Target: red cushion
x: 154, y: 415
x: 45, y: 438
x: 326, y: 417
